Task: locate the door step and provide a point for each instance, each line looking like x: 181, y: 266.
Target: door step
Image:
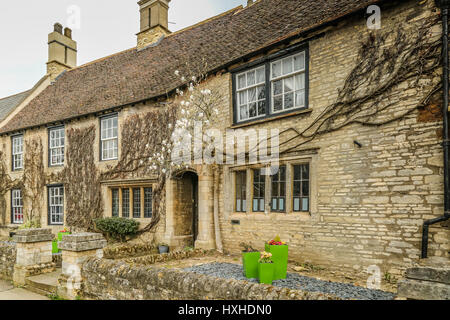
x: 44, y: 284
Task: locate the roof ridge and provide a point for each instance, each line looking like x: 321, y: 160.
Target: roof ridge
x: 16, y: 94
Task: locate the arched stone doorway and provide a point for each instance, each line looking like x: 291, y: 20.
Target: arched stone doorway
x: 182, y: 205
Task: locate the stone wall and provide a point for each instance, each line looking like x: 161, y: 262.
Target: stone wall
x: 119, y: 251
x: 7, y: 260
x: 112, y: 280
x: 176, y: 255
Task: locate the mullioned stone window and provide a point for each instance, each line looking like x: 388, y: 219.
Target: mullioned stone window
x: 134, y: 201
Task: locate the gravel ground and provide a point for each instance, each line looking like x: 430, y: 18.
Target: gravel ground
x: 295, y: 281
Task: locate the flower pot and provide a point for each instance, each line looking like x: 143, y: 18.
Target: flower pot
x: 266, y: 272
x: 163, y: 249
x: 61, y: 234
x: 55, y: 246
x: 280, y: 260
x: 250, y: 264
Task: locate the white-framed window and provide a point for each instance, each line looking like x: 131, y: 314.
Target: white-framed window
x: 56, y: 146
x: 251, y: 94
x: 56, y: 204
x: 288, y: 85
x: 17, y: 152
x: 109, y: 138
x: 17, y: 206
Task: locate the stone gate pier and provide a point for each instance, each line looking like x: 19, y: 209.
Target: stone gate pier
x: 76, y: 249
x: 34, y: 254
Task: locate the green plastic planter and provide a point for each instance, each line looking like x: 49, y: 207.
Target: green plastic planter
x: 61, y: 234
x: 266, y: 272
x: 55, y: 246
x: 250, y: 263
x: 280, y: 260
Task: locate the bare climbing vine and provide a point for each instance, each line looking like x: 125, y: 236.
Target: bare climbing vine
x: 405, y: 61
x: 81, y: 180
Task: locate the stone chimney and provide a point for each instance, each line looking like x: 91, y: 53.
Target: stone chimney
x: 62, y: 51
x: 154, y: 21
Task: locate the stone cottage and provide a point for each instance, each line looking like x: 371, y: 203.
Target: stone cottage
x: 354, y: 88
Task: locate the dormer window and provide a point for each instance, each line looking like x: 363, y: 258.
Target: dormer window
x: 276, y: 86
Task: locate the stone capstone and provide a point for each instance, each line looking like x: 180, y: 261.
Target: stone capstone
x: 82, y: 242
x: 33, y: 235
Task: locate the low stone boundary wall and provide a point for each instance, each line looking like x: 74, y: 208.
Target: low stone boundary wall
x: 7, y: 260
x: 116, y: 280
x: 129, y: 250
x: 176, y: 255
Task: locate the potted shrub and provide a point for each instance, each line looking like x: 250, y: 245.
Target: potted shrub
x: 250, y: 258
x: 279, y: 251
x: 163, y: 248
x: 266, y: 268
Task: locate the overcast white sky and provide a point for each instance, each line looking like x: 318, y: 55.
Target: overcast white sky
x: 106, y: 27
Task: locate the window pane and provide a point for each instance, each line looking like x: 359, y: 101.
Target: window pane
x: 261, y: 75
x: 253, y: 110
x: 305, y: 188
x: 261, y: 92
x: 115, y: 202
x: 252, y: 95
x: 148, y: 202
x: 244, y: 113
x: 125, y: 203
x: 276, y: 69
x: 297, y: 188
x: 300, y: 81
x: 278, y: 87
x: 288, y: 100
x: 296, y: 204
x: 243, y: 97
x: 241, y: 184
x: 261, y: 108
x: 136, y: 202
x: 299, y: 62
x: 251, y: 78
x: 287, y: 66
x: 305, y: 204
x: 278, y: 103
x: 289, y: 84
x: 241, y: 81
x: 281, y: 204
x: 300, y: 98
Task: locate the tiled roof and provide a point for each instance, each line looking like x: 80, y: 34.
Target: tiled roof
x: 136, y: 75
x: 8, y: 104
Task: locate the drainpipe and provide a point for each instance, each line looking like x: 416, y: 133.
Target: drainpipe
x: 444, y: 5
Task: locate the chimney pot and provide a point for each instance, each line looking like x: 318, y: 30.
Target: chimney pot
x: 249, y: 3
x: 58, y: 27
x: 68, y: 33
